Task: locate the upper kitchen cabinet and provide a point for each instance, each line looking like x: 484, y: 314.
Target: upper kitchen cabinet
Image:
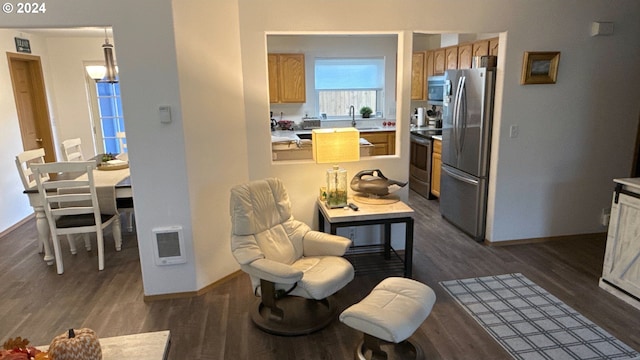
x: 465, y: 56
x: 481, y: 48
x: 493, y: 46
x: 439, y: 61
x: 451, y: 57
x: 286, y: 78
x: 429, y: 62
x: 418, y: 77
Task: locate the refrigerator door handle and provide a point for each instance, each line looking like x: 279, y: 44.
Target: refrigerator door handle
x: 459, y: 177
x: 456, y: 115
x: 462, y: 118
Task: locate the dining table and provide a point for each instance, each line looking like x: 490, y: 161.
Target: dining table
x: 112, y: 187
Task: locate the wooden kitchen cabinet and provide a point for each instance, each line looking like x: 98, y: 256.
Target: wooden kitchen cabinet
x: 429, y: 64
x: 621, y: 268
x: 436, y: 164
x: 286, y: 78
x: 384, y: 142
x: 418, y: 78
x: 439, y: 61
x: 465, y: 56
x: 481, y: 48
x: 451, y: 57
x: 493, y: 46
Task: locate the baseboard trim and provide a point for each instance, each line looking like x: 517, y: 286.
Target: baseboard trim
x: 601, y: 235
x: 17, y: 225
x: 188, y: 294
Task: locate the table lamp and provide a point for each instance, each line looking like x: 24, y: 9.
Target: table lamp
x: 334, y: 146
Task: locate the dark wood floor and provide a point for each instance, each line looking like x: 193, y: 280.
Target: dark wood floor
x: 38, y: 304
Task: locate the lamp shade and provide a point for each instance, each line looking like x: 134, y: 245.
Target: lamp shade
x: 336, y: 145
x: 96, y: 72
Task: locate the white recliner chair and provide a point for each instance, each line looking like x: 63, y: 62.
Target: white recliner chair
x: 292, y: 268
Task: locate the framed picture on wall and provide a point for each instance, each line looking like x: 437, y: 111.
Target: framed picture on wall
x: 540, y: 67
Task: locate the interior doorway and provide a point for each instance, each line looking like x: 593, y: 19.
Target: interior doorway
x: 31, y: 103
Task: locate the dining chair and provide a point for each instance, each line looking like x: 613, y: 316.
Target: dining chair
x: 122, y: 139
x: 23, y: 162
x: 71, y: 206
x: 126, y: 205
x: 72, y: 150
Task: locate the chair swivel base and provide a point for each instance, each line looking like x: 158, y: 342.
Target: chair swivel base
x: 300, y: 316
x: 404, y: 350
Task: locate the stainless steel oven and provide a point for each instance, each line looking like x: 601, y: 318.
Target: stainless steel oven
x: 420, y: 166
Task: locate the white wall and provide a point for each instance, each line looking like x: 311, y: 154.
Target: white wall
x: 14, y: 205
x: 66, y: 57
x: 149, y: 78
x: 555, y: 178
x: 552, y: 180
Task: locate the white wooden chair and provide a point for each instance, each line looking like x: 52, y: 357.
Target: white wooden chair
x: 77, y: 211
x: 23, y: 162
x: 126, y: 205
x: 72, y: 150
x: 122, y: 138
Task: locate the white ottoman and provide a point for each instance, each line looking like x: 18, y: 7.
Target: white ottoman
x: 391, y: 313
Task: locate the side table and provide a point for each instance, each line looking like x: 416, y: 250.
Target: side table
x: 373, y: 214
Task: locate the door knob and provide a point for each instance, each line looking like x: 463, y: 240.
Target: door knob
x: 39, y: 140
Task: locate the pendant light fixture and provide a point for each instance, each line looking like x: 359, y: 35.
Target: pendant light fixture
x: 109, y: 71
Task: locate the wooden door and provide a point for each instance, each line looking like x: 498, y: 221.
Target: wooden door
x: 465, y: 56
x: 31, y: 103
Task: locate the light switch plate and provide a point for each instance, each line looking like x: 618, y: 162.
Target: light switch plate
x: 164, y: 112
x: 514, y: 130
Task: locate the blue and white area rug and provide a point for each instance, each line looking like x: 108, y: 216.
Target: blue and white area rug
x: 532, y: 324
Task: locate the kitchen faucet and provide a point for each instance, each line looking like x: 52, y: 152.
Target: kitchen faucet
x: 352, y: 112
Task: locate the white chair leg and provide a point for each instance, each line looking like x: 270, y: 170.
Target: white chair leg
x: 87, y: 241
x: 117, y: 233
x: 57, y: 253
x: 71, y: 238
x: 100, y: 241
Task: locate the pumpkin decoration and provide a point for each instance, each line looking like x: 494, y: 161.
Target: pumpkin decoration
x: 81, y: 344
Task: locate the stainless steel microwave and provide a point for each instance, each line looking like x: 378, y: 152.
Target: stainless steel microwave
x: 436, y: 88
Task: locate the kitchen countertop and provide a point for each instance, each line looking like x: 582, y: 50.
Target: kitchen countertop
x: 292, y: 135
x: 427, y: 132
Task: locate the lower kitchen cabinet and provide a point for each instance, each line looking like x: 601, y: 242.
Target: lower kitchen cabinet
x: 384, y: 142
x: 621, y: 268
x: 436, y: 163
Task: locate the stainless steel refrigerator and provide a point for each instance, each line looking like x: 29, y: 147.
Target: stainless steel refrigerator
x: 467, y: 113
